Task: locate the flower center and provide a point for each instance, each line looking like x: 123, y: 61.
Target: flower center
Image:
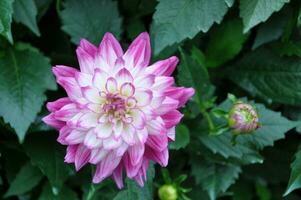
x: 117, y: 107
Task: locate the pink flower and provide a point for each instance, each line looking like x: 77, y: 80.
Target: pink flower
x: 120, y: 113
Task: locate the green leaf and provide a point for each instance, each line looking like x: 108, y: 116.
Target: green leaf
x: 273, y: 127
x: 225, y: 42
x: 133, y: 191
x: 25, y: 12
x: 182, y: 137
x: 263, y: 191
x: 177, y: 20
x: 25, y: 75
x: 214, y: 178
x: 295, y: 177
x: 257, y: 11
x: 26, y: 179
x: 90, y: 19
x: 6, y: 12
x: 64, y: 194
x: 48, y: 155
x: 272, y: 29
x: 193, y: 74
x: 265, y: 74
x: 288, y: 48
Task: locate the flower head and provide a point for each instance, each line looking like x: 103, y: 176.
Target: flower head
x: 120, y: 112
x: 243, y: 118
x: 168, y: 192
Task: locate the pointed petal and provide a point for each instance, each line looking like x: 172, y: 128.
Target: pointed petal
x: 106, y: 167
x: 162, y: 83
x: 109, y: 50
x: 82, y: 156
x: 145, y: 82
x: 139, y: 52
x: 86, y: 61
x: 117, y: 175
x: 156, y: 127
x: 157, y: 156
x: 58, y: 104
x: 136, y: 153
x: 66, y: 112
x: 88, y: 47
x: 70, y: 153
x: 97, y: 155
x: 157, y: 142
x: 63, y: 71
x: 167, y: 105
x: 172, y: 118
x: 51, y: 121
x: 171, y: 133
x: 180, y: 93
x: 163, y: 67
x: 75, y: 137
x: 71, y: 86
x: 131, y: 170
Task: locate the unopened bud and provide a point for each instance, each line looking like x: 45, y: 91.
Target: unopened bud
x: 243, y: 118
x: 167, y: 192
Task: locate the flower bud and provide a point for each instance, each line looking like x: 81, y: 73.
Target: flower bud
x: 167, y: 192
x: 243, y: 118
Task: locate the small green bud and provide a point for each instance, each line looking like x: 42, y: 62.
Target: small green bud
x: 167, y: 192
x: 243, y: 118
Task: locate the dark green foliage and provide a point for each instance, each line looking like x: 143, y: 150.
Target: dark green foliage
x: 249, y: 48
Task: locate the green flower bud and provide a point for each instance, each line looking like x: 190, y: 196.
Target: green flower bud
x: 243, y: 118
x: 167, y: 192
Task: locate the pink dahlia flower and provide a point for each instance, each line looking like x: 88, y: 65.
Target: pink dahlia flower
x: 120, y: 112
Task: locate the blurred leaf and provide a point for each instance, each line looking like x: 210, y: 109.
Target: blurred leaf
x: 257, y: 11
x: 267, y: 75
x: 6, y: 11
x: 215, y: 178
x: 182, y: 137
x: 133, y: 191
x: 242, y: 190
x: 25, y: 75
x: 272, y: 29
x: 42, y: 6
x: 134, y: 27
x: 225, y: 42
x: 65, y: 194
x: 90, y: 19
x: 177, y: 20
x: 192, y: 74
x: 26, y: 179
x: 288, y: 48
x: 25, y: 12
x: 48, y: 155
x: 295, y: 177
x: 263, y: 191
